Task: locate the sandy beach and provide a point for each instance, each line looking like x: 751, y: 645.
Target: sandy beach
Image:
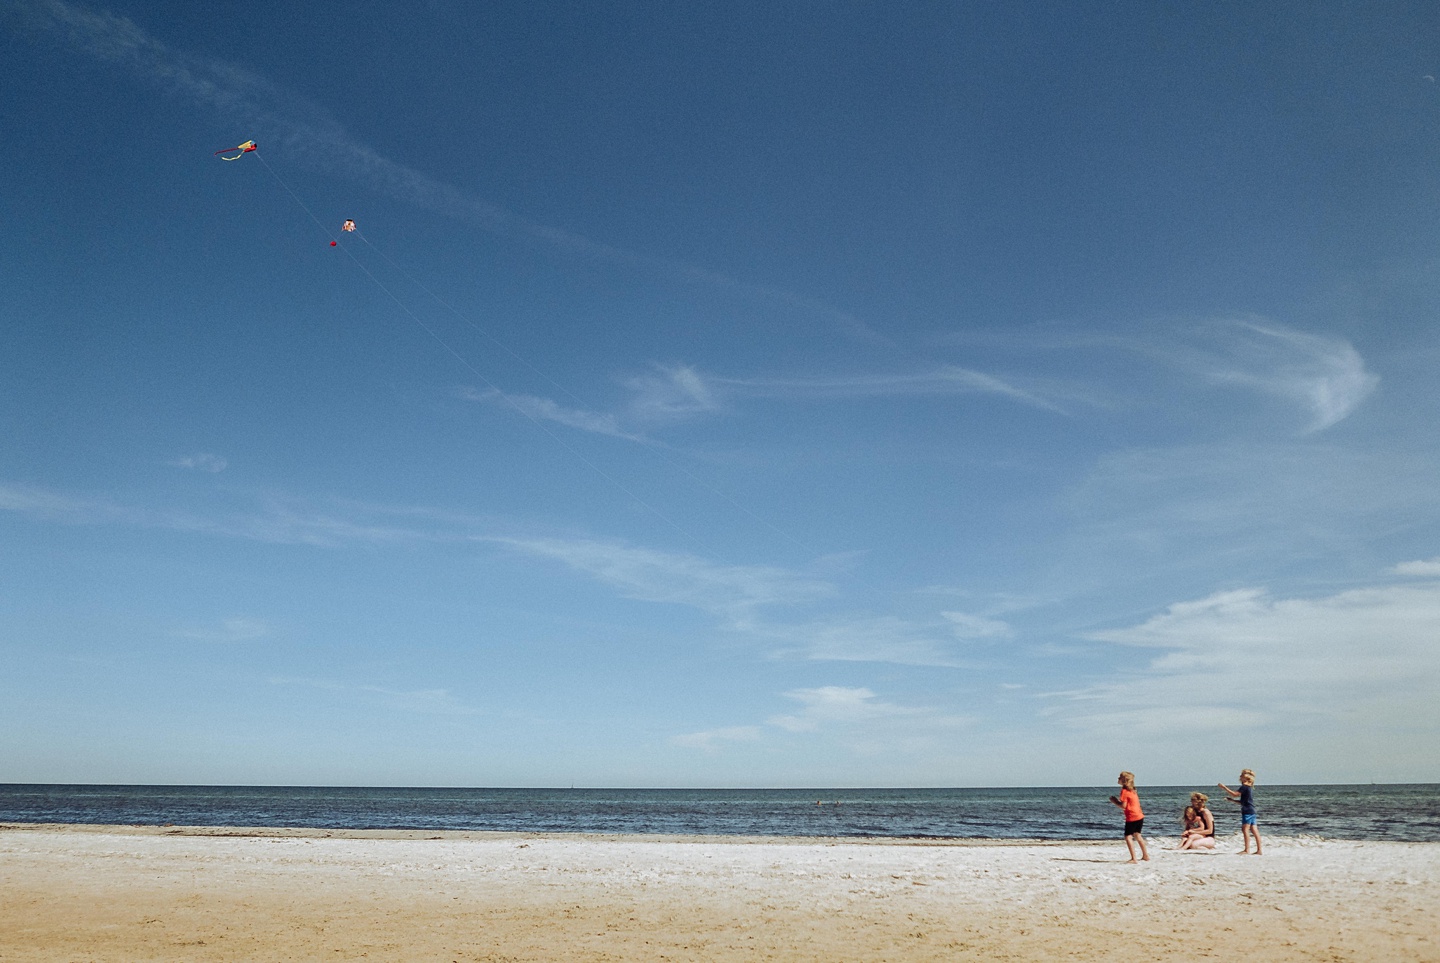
x: 92, y: 893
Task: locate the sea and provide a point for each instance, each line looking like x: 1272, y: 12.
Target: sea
x: 1359, y: 812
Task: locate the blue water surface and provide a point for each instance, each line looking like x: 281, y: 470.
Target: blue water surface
x: 1394, y: 812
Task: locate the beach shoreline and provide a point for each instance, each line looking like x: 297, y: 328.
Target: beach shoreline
x: 316, y: 832
x: 233, y: 893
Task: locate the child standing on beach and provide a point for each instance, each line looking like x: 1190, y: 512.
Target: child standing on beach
x: 1245, y: 796
x: 1129, y: 802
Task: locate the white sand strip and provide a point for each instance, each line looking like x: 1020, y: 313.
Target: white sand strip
x: 117, y: 893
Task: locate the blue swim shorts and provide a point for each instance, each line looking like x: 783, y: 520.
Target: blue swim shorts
x: 1247, y: 819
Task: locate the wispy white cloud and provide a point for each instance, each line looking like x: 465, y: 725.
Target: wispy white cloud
x: 836, y: 705
x: 1325, y: 376
x: 756, y: 600
x: 544, y: 409
x: 712, y: 739
x: 200, y: 462
x: 262, y: 518
x: 852, y: 716
x: 1427, y: 568
x: 231, y: 630
x: 863, y: 639
x: 423, y: 701
x: 1350, y: 664
x: 968, y: 626
x: 1194, y: 507
x: 947, y: 380
x: 42, y: 503
x: 671, y: 392
x: 283, y: 121
x: 735, y: 592
x: 760, y: 602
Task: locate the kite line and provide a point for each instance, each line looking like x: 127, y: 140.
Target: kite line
x: 652, y: 446
x: 461, y: 358
x: 349, y: 226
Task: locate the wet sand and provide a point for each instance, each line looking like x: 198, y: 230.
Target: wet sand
x: 162, y: 893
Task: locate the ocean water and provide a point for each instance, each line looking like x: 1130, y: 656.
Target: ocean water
x: 1393, y: 812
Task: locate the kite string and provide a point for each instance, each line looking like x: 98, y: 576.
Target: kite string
x: 652, y: 446
x: 874, y: 590
x: 473, y: 370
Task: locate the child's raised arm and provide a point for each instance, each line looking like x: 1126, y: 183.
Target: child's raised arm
x: 1228, y: 791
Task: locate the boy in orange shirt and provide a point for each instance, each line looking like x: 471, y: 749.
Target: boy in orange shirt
x: 1129, y: 801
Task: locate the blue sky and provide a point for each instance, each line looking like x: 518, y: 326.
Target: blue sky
x: 744, y: 394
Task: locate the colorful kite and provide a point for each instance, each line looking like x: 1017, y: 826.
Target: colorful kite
x: 243, y: 149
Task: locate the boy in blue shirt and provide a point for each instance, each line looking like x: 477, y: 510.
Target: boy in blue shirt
x: 1245, y: 796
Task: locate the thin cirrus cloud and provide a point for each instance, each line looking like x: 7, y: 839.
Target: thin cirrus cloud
x: 264, y: 518
x: 744, y: 598
x: 1193, y: 508
x: 734, y: 592
x: 855, y: 714
x: 229, y: 631
x: 1323, y: 376
x: 683, y: 390
x: 200, y: 462
x: 947, y: 380
x: 968, y: 626
x: 833, y: 705
x: 309, y: 134
x: 863, y: 639
x: 673, y: 393
x: 544, y: 409
x: 712, y: 739
x: 423, y: 701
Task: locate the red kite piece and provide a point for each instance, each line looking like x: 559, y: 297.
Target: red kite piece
x: 243, y: 149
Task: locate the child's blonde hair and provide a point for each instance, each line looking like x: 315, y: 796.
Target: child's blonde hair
x: 1247, y: 777
x: 1127, y: 779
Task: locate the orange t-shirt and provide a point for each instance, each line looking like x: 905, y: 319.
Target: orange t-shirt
x: 1130, y: 802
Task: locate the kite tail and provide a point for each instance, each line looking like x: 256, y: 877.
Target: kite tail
x: 243, y: 149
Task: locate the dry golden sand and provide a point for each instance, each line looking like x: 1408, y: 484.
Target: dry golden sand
x: 122, y: 893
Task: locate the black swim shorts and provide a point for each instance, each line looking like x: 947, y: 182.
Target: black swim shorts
x: 1134, y: 826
